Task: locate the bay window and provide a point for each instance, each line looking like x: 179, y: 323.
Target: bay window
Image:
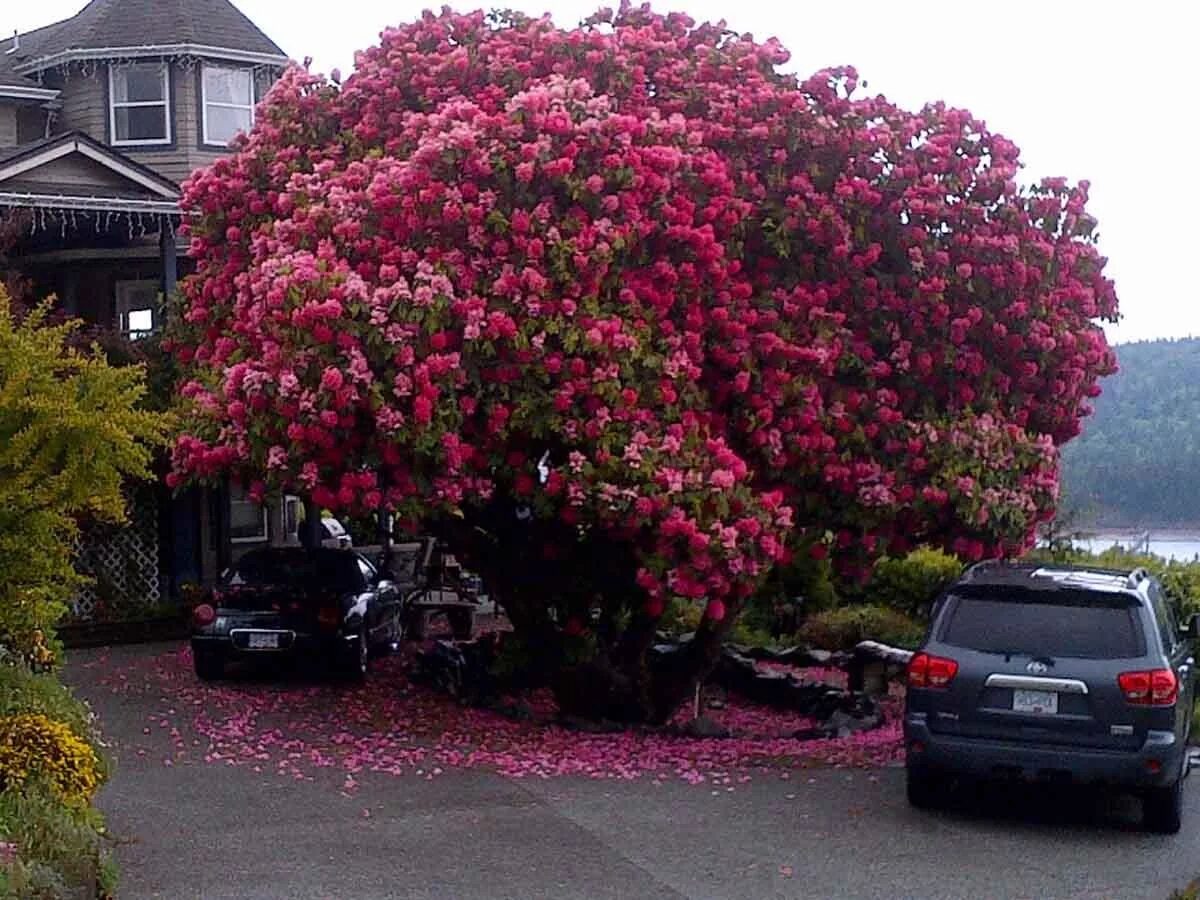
x: 227, y: 103
x: 139, y: 104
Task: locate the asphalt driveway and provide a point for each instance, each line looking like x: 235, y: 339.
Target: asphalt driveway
x: 191, y: 828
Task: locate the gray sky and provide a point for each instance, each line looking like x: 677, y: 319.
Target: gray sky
x: 1104, y: 90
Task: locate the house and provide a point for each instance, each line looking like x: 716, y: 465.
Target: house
x: 102, y: 115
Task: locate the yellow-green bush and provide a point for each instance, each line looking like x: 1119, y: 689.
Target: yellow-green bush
x: 842, y: 629
x: 73, y: 430
x: 911, y: 582
x: 34, y: 747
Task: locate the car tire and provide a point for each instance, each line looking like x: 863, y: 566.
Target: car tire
x: 209, y: 666
x: 462, y: 624
x: 396, y: 639
x: 1162, y: 808
x: 357, y: 660
x: 924, y: 789
x: 417, y: 620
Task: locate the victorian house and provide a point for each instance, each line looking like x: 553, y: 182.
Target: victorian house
x: 101, y: 117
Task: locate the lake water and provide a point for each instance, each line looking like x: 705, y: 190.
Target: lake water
x: 1183, y: 546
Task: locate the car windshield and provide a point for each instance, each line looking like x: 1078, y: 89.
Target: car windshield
x: 321, y: 571
x: 1076, y: 624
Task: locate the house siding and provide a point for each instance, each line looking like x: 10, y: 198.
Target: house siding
x: 8, y: 126
x: 172, y: 161
x: 84, y: 99
x: 84, y: 102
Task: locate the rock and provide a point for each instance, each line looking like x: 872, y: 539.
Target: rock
x: 704, y: 727
x: 591, y: 726
x: 843, y: 724
x: 520, y: 710
x: 810, y: 734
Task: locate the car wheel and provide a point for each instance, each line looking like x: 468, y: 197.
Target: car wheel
x: 462, y: 624
x: 397, y: 636
x: 416, y: 625
x: 1162, y: 808
x: 358, y: 659
x: 923, y: 788
x: 209, y: 666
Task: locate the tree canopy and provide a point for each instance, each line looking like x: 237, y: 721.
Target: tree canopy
x: 1137, y: 462
x: 647, y: 312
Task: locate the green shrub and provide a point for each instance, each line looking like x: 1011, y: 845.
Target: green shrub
x: 681, y: 617
x: 842, y: 629
x: 1191, y: 892
x: 910, y: 583
x: 57, y: 847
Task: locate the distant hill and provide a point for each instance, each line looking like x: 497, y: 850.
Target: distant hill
x: 1137, y: 462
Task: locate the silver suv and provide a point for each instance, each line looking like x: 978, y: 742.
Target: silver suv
x: 1061, y: 673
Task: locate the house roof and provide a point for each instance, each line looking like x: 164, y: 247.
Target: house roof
x: 28, y: 157
x: 117, y: 28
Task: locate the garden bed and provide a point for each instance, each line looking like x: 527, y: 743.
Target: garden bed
x: 102, y: 634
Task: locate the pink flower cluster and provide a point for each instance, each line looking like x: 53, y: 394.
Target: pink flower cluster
x: 634, y: 277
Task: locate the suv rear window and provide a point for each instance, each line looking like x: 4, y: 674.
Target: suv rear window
x: 1078, y: 624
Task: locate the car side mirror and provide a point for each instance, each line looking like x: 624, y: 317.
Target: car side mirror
x: 1191, y: 628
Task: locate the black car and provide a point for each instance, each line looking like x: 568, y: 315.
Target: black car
x: 1054, y: 673
x: 329, y: 605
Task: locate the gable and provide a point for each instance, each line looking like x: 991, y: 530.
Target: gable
x: 74, y: 165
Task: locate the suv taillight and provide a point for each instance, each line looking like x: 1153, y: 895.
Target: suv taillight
x: 204, y: 615
x: 928, y: 671
x: 1157, y: 688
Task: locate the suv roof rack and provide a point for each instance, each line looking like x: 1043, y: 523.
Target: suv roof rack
x: 1137, y: 576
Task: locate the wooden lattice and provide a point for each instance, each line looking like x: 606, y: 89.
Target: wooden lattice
x: 123, y: 564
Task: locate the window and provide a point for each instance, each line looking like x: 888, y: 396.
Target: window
x: 139, y: 111
x: 137, y: 308
x: 247, y: 519
x: 1076, y: 624
x: 1167, y: 626
x: 228, y: 103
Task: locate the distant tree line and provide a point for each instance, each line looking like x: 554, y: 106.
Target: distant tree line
x: 1137, y: 462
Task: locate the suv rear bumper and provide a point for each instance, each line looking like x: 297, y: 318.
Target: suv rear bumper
x: 932, y: 752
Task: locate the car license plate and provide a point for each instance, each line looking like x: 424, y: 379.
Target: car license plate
x: 262, y: 640
x: 1044, y: 703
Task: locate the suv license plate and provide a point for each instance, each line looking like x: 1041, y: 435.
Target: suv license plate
x: 258, y: 640
x: 1042, y: 703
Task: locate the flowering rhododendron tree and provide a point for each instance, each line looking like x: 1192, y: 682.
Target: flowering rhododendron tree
x: 627, y: 315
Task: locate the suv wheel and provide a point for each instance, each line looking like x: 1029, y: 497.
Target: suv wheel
x: 1162, y: 808
x: 924, y: 790
x: 357, y: 660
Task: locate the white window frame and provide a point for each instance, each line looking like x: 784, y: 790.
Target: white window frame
x: 125, y: 292
x: 205, y: 103
x: 114, y: 105
x: 264, y: 533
